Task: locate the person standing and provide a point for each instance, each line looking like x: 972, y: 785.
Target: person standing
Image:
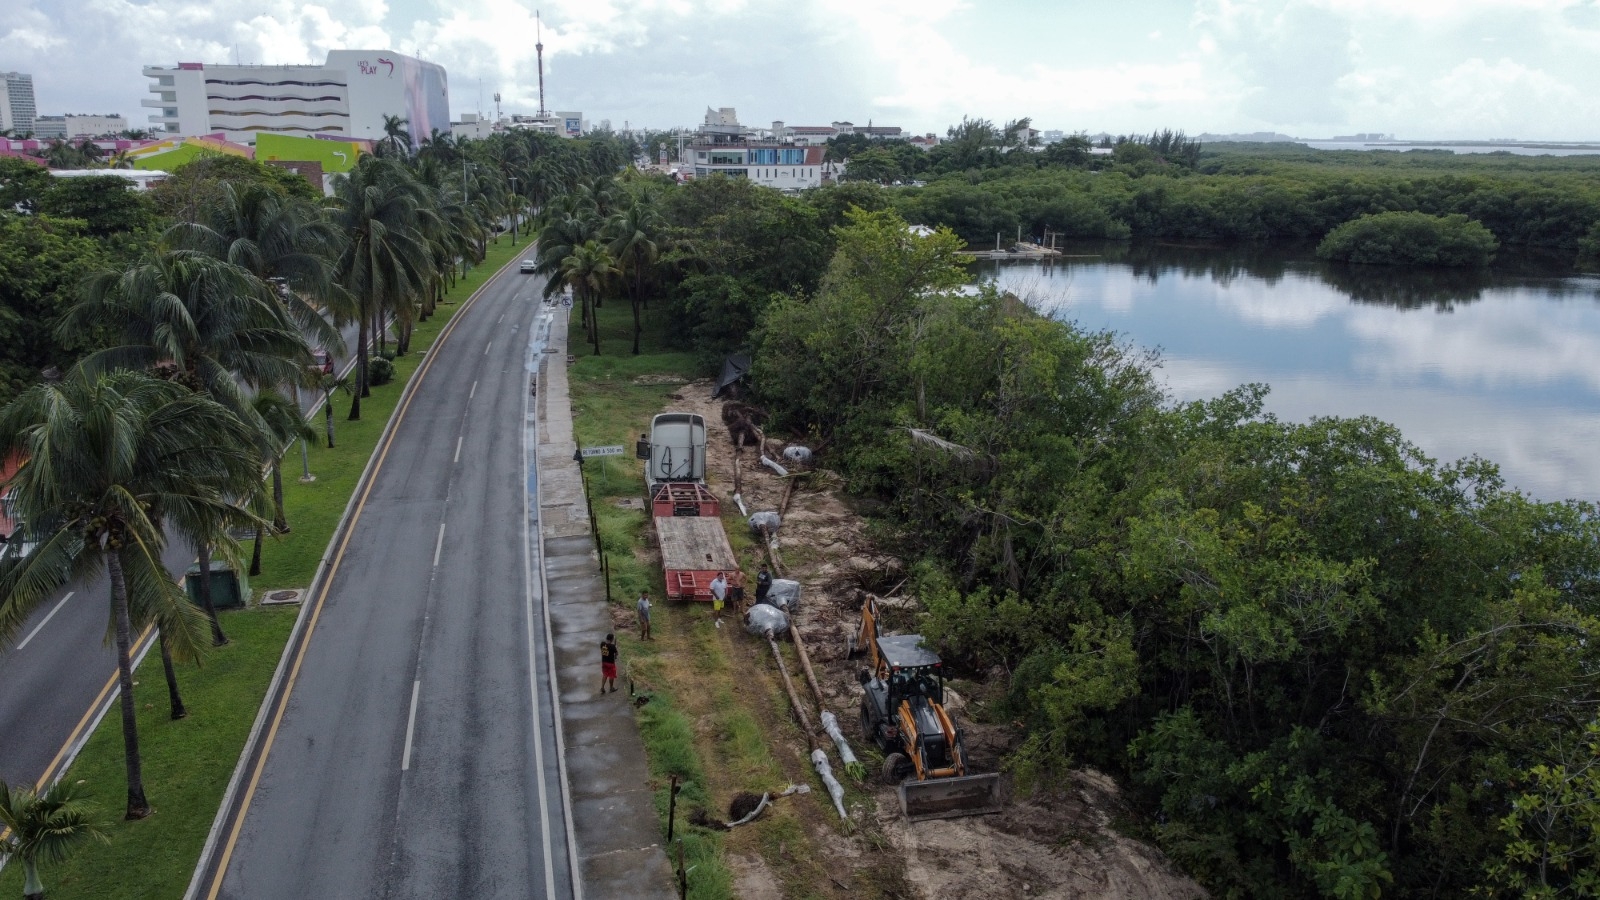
x: 643, y: 609
x: 719, y: 591
x: 763, y: 584
x: 736, y: 590
x: 608, y: 664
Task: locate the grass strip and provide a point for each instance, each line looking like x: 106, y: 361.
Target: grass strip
x: 187, y: 763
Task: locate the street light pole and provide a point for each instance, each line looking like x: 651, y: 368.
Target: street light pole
x: 515, y: 209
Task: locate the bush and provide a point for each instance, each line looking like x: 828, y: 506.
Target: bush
x: 1410, y: 238
x: 380, y: 371
x: 389, y: 355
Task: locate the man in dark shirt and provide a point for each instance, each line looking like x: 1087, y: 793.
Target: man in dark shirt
x: 763, y: 584
x: 608, y: 664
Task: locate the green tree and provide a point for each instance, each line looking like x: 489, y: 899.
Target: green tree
x: 384, y: 213
x: 635, y: 230
x: 108, y: 459
x: 41, y: 262
x: 1410, y: 238
x: 589, y: 272
x: 45, y: 828
x: 108, y: 203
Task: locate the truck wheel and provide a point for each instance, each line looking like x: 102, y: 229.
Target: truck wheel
x: 894, y: 767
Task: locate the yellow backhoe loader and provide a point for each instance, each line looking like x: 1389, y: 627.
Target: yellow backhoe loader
x: 903, y: 713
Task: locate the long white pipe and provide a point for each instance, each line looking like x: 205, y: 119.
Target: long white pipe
x: 819, y: 759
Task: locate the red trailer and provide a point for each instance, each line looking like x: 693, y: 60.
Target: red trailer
x: 693, y: 550
x: 684, y: 498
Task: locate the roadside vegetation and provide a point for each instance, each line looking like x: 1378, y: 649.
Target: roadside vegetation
x: 168, y: 337
x: 1321, y: 663
x: 985, y: 181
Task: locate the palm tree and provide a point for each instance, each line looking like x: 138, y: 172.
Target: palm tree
x: 396, y: 139
x: 201, y: 322
x: 383, y: 212
x: 635, y: 229
x: 567, y: 226
x: 283, y: 425
x: 328, y: 384
x: 109, y: 458
x: 45, y: 828
x: 280, y: 241
x: 195, y: 319
x: 587, y: 271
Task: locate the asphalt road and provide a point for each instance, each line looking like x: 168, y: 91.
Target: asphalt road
x: 415, y: 754
x: 59, y: 670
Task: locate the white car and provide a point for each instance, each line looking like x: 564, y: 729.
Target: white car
x: 528, y: 266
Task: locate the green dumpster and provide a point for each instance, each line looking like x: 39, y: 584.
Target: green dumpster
x: 229, y: 589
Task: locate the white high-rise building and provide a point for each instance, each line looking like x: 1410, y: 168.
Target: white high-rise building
x: 348, y: 96
x: 17, y: 110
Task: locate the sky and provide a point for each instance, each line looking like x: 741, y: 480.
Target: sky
x: 1418, y: 69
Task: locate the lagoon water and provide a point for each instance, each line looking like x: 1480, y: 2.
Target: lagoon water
x: 1502, y: 364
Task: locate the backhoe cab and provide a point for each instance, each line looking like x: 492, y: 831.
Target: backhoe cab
x: 903, y: 713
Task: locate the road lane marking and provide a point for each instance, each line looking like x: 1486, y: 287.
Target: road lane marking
x: 438, y: 546
x: 474, y: 392
x: 486, y: 348
x: 501, y: 319
x: 411, y: 725
x: 458, y: 449
x: 40, y: 627
x: 77, y: 732
x: 281, y: 699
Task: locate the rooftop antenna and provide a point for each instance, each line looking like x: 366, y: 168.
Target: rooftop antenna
x: 539, y: 46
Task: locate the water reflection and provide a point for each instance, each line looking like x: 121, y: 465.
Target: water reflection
x: 1507, y: 366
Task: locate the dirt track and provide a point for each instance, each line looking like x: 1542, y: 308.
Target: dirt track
x: 1058, y: 844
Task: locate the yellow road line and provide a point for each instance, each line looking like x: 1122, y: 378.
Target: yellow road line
x: 327, y: 584
x: 111, y: 683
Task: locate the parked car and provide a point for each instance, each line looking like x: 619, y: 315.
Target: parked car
x: 528, y: 266
x: 323, y: 361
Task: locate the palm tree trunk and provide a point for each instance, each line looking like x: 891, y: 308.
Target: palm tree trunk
x: 381, y: 332
x: 218, y: 639
x: 32, y: 887
x: 361, y: 371
x: 174, y: 699
x: 138, y: 806
x: 327, y: 417
x: 255, y: 555
x: 280, y: 522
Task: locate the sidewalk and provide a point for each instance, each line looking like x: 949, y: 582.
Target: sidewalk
x: 613, y: 810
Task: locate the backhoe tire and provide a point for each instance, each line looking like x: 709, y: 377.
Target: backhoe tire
x: 867, y: 731
x: 894, y: 767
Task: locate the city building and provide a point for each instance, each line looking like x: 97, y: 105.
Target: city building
x: 349, y: 97
x: 474, y: 126
x: 810, y: 135
x: 75, y: 128
x: 17, y: 110
x: 724, y: 147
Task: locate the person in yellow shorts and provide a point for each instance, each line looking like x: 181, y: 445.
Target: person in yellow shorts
x: 719, y: 593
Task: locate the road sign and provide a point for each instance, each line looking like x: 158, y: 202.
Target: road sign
x: 615, y: 450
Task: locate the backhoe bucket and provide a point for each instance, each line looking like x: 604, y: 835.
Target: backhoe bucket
x: 948, y: 798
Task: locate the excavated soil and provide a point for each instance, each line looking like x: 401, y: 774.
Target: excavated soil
x: 1057, y: 844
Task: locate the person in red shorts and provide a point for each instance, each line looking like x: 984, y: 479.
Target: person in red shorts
x: 608, y: 664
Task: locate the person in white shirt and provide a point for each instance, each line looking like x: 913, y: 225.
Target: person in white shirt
x: 643, y: 608
x: 719, y: 592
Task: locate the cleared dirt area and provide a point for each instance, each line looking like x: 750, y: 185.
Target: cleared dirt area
x: 1057, y: 844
